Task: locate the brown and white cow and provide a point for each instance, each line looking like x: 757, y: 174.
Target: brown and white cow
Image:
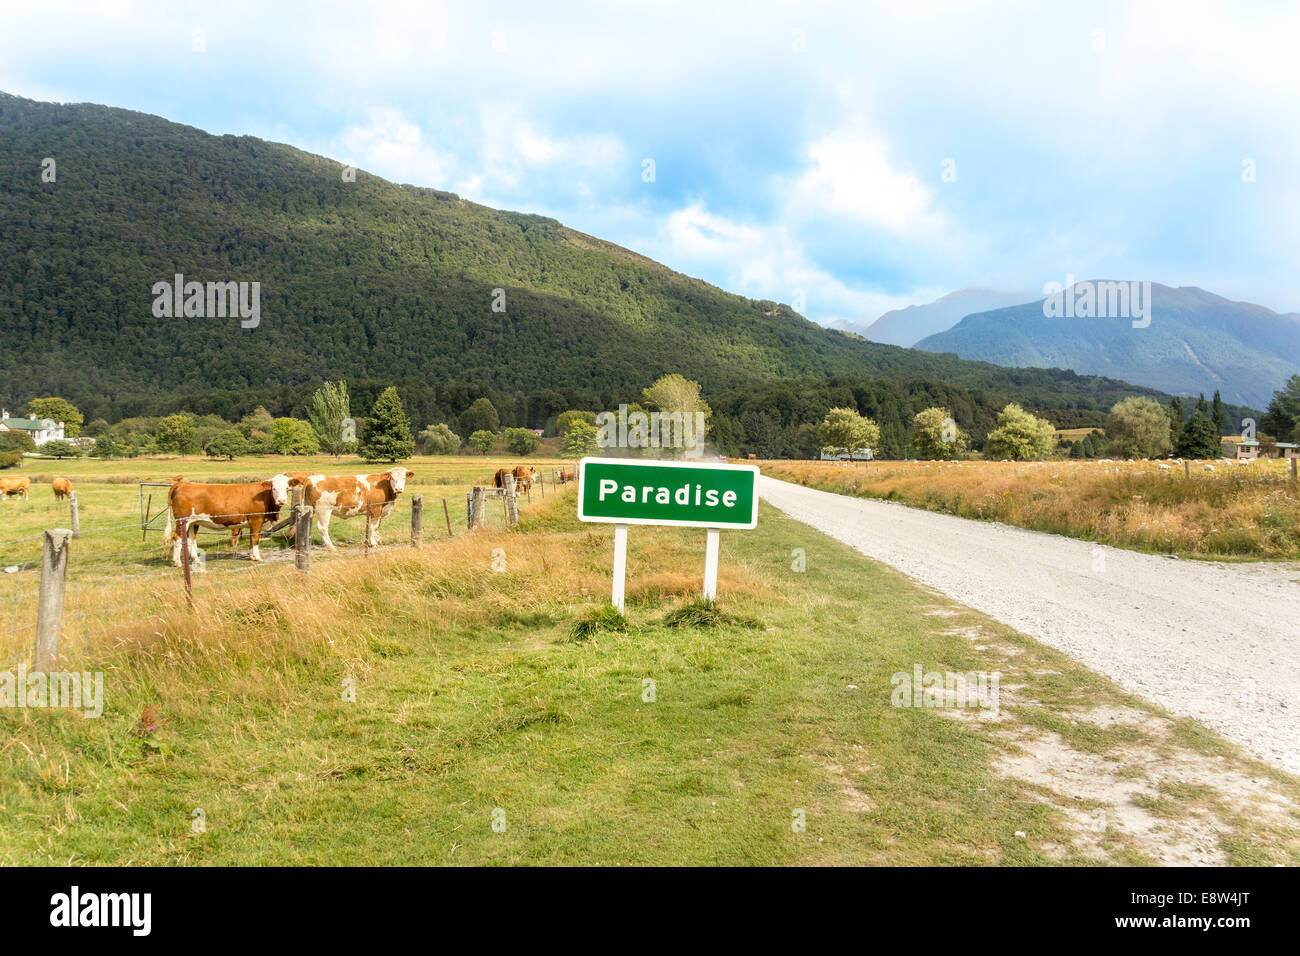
x: 15, y: 486
x: 346, y: 496
x: 524, y: 477
x: 228, y: 507
x: 62, y: 488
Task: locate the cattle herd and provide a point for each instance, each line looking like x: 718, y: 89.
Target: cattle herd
x: 253, y: 504
x: 256, y: 505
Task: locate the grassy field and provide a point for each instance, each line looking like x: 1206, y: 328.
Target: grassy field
x: 1235, y: 511
x: 476, y: 704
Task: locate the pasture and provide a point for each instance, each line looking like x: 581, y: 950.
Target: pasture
x: 486, y: 727
x: 1227, y: 511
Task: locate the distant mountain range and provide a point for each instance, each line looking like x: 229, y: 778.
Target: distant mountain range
x: 908, y: 326
x: 1196, y: 342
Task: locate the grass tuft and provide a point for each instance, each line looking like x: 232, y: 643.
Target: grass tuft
x: 702, y: 613
x: 603, y: 620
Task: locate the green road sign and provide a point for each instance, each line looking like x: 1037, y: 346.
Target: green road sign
x: 690, y: 494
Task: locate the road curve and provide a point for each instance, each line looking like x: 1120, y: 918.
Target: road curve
x: 1218, y: 642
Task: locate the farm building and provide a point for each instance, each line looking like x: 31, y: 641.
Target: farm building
x: 41, y: 429
x: 1248, y: 449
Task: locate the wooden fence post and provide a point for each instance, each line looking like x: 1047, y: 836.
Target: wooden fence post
x: 417, y: 520
x: 75, y: 517
x: 49, y: 608
x: 183, y: 528
x: 512, y: 502
x: 1187, y: 468
x: 1293, y: 469
x: 446, y: 514
x: 478, y: 508
x: 302, y: 539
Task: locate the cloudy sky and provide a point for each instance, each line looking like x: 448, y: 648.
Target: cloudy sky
x: 853, y: 157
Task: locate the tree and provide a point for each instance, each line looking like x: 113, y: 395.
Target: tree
x: 175, y: 433
x: 1138, y: 427
x: 60, y: 449
x: 579, y: 440
x: 59, y: 410
x: 330, y: 415
x: 563, y: 420
x: 1020, y: 435
x: 388, y: 430
x: 227, y: 445
x: 15, y: 440
x: 483, y: 440
x: 106, y: 447
x: 672, y: 394
x: 521, y: 441
x: 1219, y: 414
x: 1282, y: 420
x: 439, y: 440
x: 293, y: 436
x: 1201, y: 439
x: 481, y: 416
x: 1175, y: 421
x: 843, y: 431
x: 936, y: 435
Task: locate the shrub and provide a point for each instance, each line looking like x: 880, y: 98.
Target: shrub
x: 520, y: 441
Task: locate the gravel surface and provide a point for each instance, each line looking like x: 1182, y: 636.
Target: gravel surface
x: 1218, y: 642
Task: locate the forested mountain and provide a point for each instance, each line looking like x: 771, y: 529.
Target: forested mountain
x: 373, y: 282
x: 1196, y: 342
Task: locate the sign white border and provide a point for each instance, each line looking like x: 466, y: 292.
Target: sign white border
x: 656, y: 463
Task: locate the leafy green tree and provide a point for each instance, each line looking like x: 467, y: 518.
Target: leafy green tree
x: 228, y: 445
x: 1020, y: 436
x: 483, y: 440
x: 579, y: 439
x: 563, y: 420
x: 106, y: 447
x: 1139, y: 427
x: 843, y: 431
x: 8, y: 459
x: 439, y: 440
x: 15, y: 440
x: 521, y: 441
x: 330, y: 414
x: 674, y: 394
x: 1282, y: 420
x: 59, y: 410
x: 936, y: 435
x: 1219, y: 414
x: 175, y: 433
x: 1201, y: 439
x: 481, y: 416
x: 60, y: 449
x: 388, y: 430
x: 293, y: 436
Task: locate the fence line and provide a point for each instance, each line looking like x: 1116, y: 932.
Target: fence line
x: 57, y: 561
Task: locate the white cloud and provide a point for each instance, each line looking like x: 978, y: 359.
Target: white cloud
x: 850, y: 174
x: 392, y: 146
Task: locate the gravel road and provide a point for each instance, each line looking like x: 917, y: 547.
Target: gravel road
x: 1218, y: 642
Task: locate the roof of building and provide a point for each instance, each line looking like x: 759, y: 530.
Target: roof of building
x: 28, y: 424
x: 1286, y: 444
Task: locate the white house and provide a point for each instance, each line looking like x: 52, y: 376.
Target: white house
x: 41, y: 429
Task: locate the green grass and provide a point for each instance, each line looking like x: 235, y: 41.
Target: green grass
x: 659, y: 744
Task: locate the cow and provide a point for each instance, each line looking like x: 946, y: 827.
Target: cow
x: 62, y: 488
x: 565, y: 475
x: 524, y: 477
x: 346, y: 496
x: 225, y: 507
x: 499, y: 480
x: 15, y: 486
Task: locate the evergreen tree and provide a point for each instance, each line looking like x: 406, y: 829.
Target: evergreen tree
x: 1200, y: 437
x: 1175, y: 422
x: 330, y: 416
x: 1220, y: 414
x: 388, y: 430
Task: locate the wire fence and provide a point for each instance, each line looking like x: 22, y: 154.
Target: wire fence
x: 103, y: 574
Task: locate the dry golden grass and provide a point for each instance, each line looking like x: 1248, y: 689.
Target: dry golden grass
x: 1235, y: 510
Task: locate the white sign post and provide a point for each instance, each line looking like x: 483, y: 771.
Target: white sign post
x: 624, y: 491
